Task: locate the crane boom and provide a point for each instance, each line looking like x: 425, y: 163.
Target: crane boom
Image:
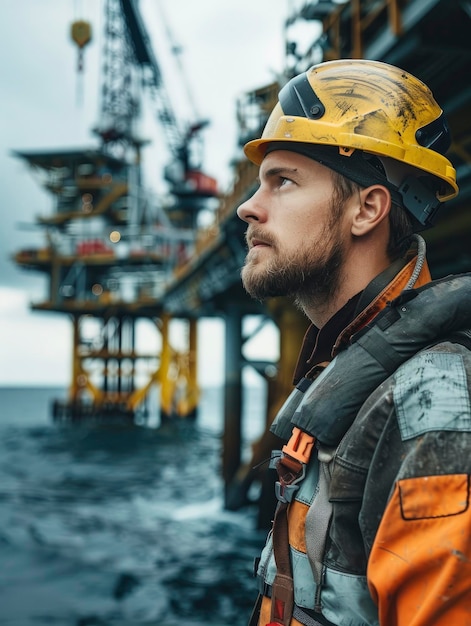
x: 129, y: 65
x: 144, y: 56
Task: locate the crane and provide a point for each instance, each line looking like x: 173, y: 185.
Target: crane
x: 128, y: 47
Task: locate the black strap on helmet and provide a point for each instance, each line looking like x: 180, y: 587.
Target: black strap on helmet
x: 299, y: 99
x: 420, y: 201
x: 435, y: 135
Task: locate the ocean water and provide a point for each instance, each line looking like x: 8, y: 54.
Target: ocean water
x: 120, y: 525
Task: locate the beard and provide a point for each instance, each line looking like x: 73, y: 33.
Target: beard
x: 310, y: 274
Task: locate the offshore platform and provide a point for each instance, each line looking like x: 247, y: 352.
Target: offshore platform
x: 110, y: 247
x: 114, y: 256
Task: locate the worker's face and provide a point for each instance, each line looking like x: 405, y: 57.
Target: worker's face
x: 294, y: 232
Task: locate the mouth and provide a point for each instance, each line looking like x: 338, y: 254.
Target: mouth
x: 257, y: 243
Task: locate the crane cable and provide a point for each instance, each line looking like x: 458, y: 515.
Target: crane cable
x: 176, y: 50
x: 81, y: 35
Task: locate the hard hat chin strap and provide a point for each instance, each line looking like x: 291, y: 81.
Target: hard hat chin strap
x: 419, y: 200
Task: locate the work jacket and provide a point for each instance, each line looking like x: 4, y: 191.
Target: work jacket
x: 378, y: 515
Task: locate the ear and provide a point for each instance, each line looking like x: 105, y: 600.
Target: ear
x: 375, y: 204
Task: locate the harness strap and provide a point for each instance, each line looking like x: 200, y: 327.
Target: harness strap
x: 291, y: 467
x: 282, y: 599
x: 305, y: 618
x: 317, y: 522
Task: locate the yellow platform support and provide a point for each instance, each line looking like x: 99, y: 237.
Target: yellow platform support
x: 103, y: 380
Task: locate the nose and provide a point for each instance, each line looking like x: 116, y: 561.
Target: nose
x: 251, y: 210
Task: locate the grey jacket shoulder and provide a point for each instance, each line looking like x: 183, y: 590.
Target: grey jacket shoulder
x: 416, y: 423
x: 410, y: 323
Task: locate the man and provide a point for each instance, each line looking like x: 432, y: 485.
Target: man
x: 373, y: 524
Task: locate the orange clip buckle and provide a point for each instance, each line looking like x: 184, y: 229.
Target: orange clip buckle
x: 300, y: 445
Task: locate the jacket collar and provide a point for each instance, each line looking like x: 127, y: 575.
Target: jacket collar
x: 400, y: 282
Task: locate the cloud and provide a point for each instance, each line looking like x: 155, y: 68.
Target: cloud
x: 35, y: 348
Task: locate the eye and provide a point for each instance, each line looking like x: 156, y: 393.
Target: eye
x: 283, y: 181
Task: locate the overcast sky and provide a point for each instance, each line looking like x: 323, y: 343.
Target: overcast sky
x: 228, y: 48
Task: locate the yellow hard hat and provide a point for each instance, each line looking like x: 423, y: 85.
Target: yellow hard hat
x: 368, y: 106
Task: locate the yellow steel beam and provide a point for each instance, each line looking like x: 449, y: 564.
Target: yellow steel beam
x: 363, y: 14
x: 167, y: 370
x: 187, y: 391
